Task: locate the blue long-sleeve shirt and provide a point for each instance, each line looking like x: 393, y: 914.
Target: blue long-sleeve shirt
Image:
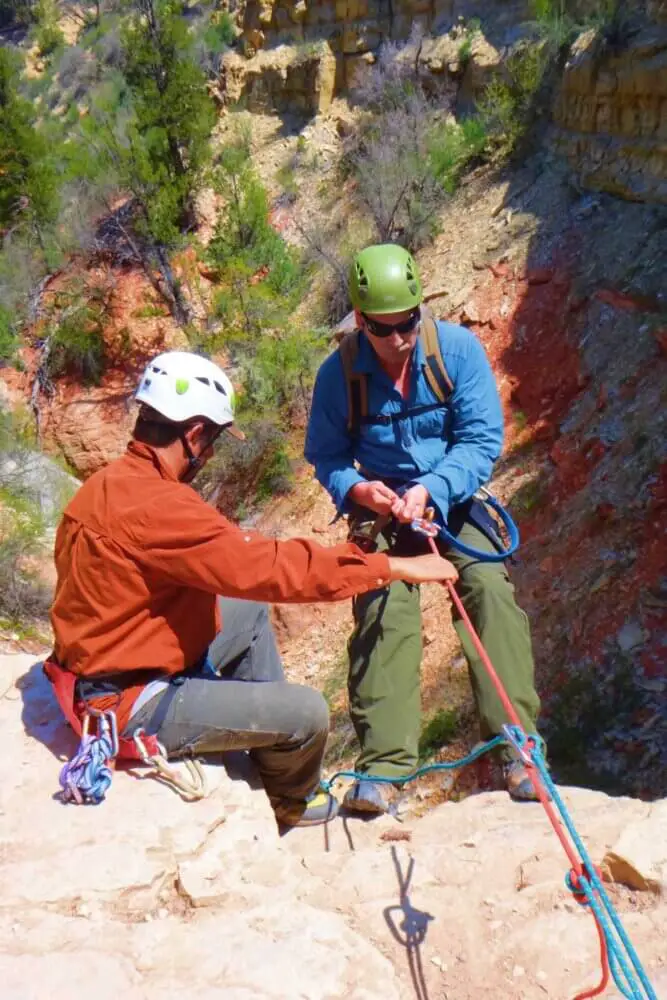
x: 450, y: 451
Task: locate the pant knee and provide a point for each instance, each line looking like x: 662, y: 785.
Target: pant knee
x: 311, y: 712
x: 486, y: 583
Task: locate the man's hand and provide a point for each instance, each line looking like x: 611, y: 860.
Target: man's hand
x: 375, y: 496
x: 430, y: 568
x: 411, y: 505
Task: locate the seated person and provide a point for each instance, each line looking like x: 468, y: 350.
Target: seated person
x: 155, y: 608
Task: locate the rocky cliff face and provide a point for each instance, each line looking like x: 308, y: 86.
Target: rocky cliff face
x: 611, y: 113
x: 356, y: 26
x: 152, y: 898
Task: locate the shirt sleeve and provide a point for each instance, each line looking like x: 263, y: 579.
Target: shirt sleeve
x: 476, y: 435
x: 329, y: 447
x: 189, y: 543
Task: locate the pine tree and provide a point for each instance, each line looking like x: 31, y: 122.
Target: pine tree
x: 152, y: 135
x: 173, y: 116
x: 28, y: 189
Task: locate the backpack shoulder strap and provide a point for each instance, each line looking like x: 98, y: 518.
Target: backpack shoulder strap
x: 356, y: 382
x: 435, y: 371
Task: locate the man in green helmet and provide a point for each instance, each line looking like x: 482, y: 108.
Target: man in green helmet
x: 405, y: 416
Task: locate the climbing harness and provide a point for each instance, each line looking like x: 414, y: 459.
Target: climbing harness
x: 86, y: 778
x: 426, y: 526
x: 618, y: 956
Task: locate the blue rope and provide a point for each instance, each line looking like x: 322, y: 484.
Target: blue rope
x: 510, y: 527
x: 86, y: 778
x: 593, y: 888
x: 426, y: 769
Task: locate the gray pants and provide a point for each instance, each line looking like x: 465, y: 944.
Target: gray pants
x: 247, y: 706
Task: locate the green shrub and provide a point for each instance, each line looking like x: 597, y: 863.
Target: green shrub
x: 8, y: 337
x: 438, y: 731
x: 77, y: 345
x: 48, y: 35
x: 149, y: 311
x: 244, y: 475
x: 507, y: 106
x: 405, y: 162
x: 281, y: 372
x: 221, y: 33
x: 23, y: 596
x: 465, y: 48
x: 450, y: 150
x: 261, y: 277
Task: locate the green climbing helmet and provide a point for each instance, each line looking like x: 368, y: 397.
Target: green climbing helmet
x: 385, y: 279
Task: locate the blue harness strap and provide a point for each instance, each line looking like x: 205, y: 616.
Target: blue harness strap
x: 477, y: 513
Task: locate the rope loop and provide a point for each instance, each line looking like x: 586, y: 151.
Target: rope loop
x: 86, y: 778
x: 190, y: 786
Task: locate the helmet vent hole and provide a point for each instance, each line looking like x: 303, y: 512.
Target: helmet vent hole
x: 219, y: 388
x: 203, y: 380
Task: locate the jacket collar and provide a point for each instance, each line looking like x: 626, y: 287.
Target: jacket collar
x: 146, y: 453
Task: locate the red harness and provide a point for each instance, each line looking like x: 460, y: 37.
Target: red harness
x: 64, y: 687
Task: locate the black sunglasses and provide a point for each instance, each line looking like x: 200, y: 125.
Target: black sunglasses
x: 379, y: 329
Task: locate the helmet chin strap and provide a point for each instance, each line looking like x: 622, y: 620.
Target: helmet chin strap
x: 194, y: 461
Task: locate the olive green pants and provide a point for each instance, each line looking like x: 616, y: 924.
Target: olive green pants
x: 385, y: 651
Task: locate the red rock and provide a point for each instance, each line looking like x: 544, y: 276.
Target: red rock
x: 500, y: 270
x: 605, y: 511
x: 661, y: 337
x: 469, y: 313
x: 539, y: 276
x: 595, y: 450
x: 543, y: 430
x: 619, y: 300
x: 603, y: 398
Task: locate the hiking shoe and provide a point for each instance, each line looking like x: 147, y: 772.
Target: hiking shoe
x: 518, y: 782
x: 368, y: 796
x: 321, y: 807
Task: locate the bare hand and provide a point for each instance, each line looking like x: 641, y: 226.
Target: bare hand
x: 411, y: 505
x: 374, y: 495
x: 430, y: 568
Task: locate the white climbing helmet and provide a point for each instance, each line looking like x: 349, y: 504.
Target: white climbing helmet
x: 181, y: 386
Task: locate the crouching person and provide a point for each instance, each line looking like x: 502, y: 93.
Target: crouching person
x: 159, y: 608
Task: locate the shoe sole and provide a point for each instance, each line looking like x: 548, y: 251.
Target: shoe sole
x: 364, y: 806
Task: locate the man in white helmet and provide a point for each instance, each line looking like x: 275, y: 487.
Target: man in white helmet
x: 155, y: 609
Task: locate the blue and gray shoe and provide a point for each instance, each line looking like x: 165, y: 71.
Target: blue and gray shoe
x: 368, y: 796
x: 518, y: 782
x: 321, y: 807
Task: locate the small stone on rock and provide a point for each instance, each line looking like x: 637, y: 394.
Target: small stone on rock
x: 630, y: 636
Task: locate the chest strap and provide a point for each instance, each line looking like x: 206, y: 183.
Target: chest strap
x: 356, y: 383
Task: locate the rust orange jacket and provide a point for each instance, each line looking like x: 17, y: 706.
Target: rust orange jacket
x: 140, y: 559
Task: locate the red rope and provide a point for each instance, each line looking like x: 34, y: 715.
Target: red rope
x: 514, y: 719
x: 538, y: 785
x: 604, y: 962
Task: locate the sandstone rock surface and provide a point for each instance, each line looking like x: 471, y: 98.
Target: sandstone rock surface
x: 282, y: 79
x: 611, y: 114
x: 156, y: 899
x: 639, y: 858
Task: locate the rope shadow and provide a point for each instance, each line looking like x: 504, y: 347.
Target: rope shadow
x: 411, y: 932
